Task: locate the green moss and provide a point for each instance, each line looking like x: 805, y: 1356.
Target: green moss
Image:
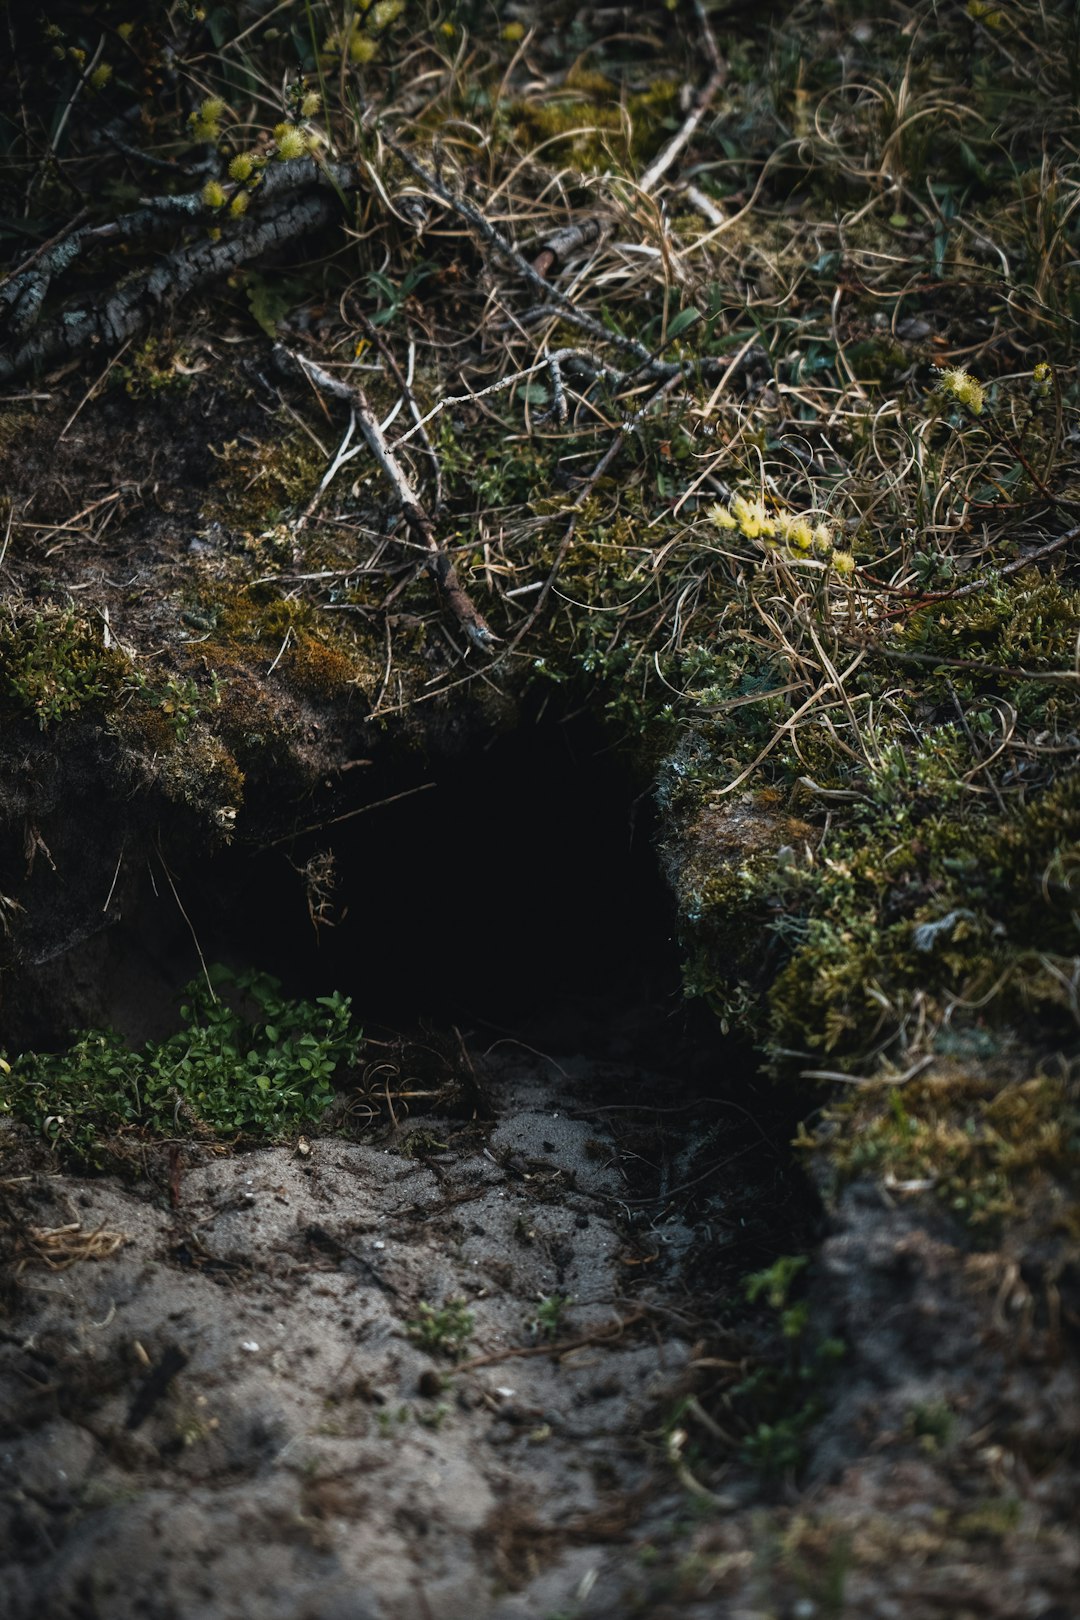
x: 923, y: 887
x: 204, y: 775
x: 993, y: 1149
x: 308, y: 656
x: 154, y: 367
x: 54, y: 663
x: 259, y: 482
x: 595, y: 122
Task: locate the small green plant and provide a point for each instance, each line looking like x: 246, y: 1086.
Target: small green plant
x: 396, y: 296
x: 442, y: 1329
x: 548, y: 1317
x: 783, y: 1396
x: 249, y: 1061
x: 774, y: 1283
x: 55, y: 663
x: 932, y: 1424
x: 389, y: 1417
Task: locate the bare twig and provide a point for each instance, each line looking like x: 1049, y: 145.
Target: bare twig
x: 558, y: 247
x: 660, y: 166
x: 606, y: 1334
x: 440, y: 567
x: 303, y: 191
x: 388, y: 358
x: 362, y: 810
x: 135, y: 302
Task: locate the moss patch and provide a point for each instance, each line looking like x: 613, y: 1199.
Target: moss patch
x: 997, y: 1147
x: 55, y: 663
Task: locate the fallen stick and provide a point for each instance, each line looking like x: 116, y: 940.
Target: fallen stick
x: 656, y: 170
x: 304, y: 194
x: 439, y: 565
x: 113, y: 320
x: 608, y: 1334
x: 558, y: 247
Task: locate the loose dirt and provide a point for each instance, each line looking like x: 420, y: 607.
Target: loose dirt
x: 229, y: 1413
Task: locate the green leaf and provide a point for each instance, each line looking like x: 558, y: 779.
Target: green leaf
x: 685, y: 318
x: 268, y: 301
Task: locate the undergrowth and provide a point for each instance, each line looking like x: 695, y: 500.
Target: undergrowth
x: 248, y: 1062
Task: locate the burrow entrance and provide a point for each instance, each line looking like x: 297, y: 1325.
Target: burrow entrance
x: 511, y: 893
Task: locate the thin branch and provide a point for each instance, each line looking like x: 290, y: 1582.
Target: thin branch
x: 388, y: 358
x: 470, y: 620
x: 660, y: 166
x: 134, y: 303
x: 558, y: 247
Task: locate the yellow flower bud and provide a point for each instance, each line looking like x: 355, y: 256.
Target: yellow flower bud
x: 239, y: 204
x: 963, y: 387
x: 101, y: 76
x: 241, y: 166
x: 361, y: 49
x: 843, y: 562
x: 213, y: 194
x: 385, y: 12
x: 752, y: 518
x: 291, y: 142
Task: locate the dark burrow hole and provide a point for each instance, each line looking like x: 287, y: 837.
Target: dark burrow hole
x: 511, y: 893
x: 514, y: 889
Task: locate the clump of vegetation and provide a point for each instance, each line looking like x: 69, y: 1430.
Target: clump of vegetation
x: 783, y: 1396
x: 995, y: 1149
x: 56, y: 663
x: 246, y: 1062
x: 443, y: 1330
x: 548, y: 1317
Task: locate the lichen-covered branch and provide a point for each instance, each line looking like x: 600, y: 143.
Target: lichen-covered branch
x: 303, y: 193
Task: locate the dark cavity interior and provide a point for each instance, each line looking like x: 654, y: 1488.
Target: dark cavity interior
x: 519, y: 893
x: 521, y: 889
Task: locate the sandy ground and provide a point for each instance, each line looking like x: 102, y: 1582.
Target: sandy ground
x: 228, y: 1416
